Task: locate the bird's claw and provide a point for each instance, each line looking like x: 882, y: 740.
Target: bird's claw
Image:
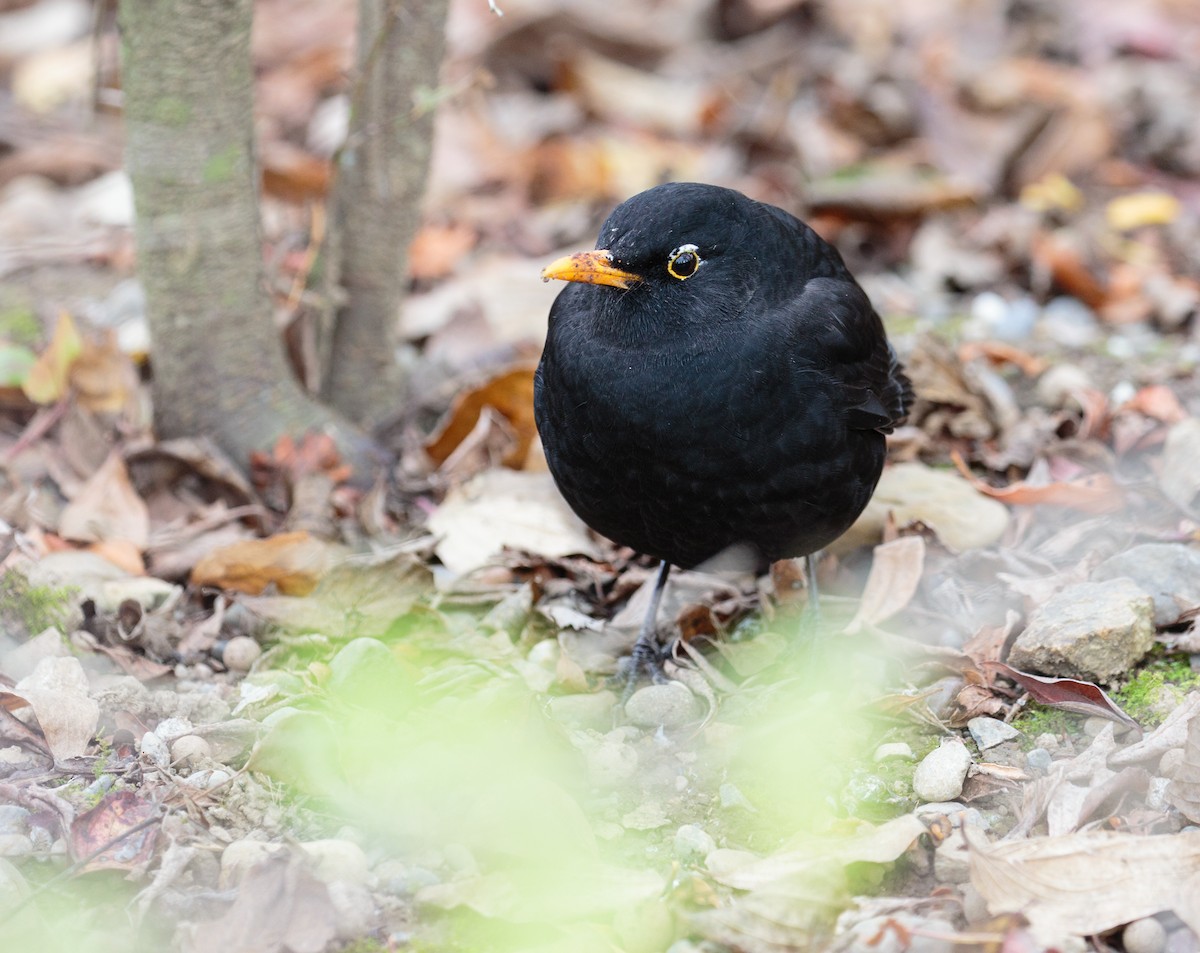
x: 646, y: 658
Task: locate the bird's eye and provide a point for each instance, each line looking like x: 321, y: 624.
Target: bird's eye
x: 683, y: 262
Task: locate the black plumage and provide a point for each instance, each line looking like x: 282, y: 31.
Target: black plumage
x: 714, y: 377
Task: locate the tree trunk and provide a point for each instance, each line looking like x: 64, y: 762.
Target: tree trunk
x: 377, y: 202
x: 218, y: 363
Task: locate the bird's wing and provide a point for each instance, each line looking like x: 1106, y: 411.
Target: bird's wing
x: 835, y: 319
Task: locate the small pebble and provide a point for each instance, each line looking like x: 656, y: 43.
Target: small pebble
x: 896, y: 750
x: 241, y: 652
x: 940, y: 775
x: 693, y: 842
x: 1061, y: 385
x: 1039, y: 760
x: 731, y: 796
x: 668, y: 706
x: 1156, y: 794
x: 1144, y: 936
x: 989, y: 732
x: 1046, y: 740
x: 189, y: 749
x: 155, y: 750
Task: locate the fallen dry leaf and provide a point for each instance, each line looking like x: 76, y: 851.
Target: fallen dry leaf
x: 1157, y: 401
x: 1127, y: 212
x: 1179, y: 473
x: 1097, y: 493
x: 57, y: 691
x: 510, y: 393
x: 437, y: 249
x: 501, y: 508
x: 46, y: 381
x: 279, y: 907
x: 121, y: 827
x: 1088, y: 882
x: 107, y: 508
x: 1184, y: 790
x: 1067, y: 694
x: 292, y: 562
x: 895, y: 575
x: 103, y: 376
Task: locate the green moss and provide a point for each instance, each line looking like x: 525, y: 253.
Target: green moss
x: 33, y: 608
x: 220, y: 167
x: 20, y: 325
x: 172, y: 111
x: 1157, y: 688
x: 1038, y: 720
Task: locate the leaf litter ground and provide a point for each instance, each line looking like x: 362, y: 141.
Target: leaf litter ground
x: 276, y: 713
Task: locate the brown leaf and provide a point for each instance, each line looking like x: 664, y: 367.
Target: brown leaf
x: 292, y: 562
x: 510, y: 393
x: 107, y: 508
x: 1000, y: 352
x: 116, y: 825
x: 1088, y: 882
x: 1097, y: 493
x: 437, y: 249
x: 1068, y: 694
x: 46, y: 381
x: 895, y: 575
x: 103, y: 376
x: 293, y: 175
x: 1157, y: 401
x: 57, y: 691
x: 280, y: 907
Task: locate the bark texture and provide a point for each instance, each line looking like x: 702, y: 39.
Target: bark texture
x: 381, y: 180
x: 218, y: 364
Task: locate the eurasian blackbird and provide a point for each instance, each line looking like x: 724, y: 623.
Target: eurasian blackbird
x: 714, y: 377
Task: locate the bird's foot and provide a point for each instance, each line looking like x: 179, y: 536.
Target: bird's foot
x: 647, y: 658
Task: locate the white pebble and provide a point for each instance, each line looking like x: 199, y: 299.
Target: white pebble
x: 1144, y: 936
x: 940, y: 775
x: 240, y: 653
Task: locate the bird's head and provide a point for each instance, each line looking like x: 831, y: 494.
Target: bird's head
x: 668, y: 248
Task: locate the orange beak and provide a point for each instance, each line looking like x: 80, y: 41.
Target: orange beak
x: 592, y: 268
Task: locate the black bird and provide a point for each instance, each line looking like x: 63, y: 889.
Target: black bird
x: 714, y: 377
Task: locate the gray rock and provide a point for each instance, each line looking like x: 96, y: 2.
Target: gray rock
x: 950, y: 861
x: 989, y: 732
x: 693, y: 841
x: 1039, y: 760
x: 1168, y: 572
x: 896, y: 750
x: 1090, y: 630
x: 669, y: 706
x: 940, y: 775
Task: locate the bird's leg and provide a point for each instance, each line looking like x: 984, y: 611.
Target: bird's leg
x: 814, y: 594
x: 647, y: 654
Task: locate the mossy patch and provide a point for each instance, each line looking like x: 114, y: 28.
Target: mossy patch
x: 33, y: 608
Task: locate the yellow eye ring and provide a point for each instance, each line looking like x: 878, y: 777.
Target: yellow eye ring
x: 684, y: 262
